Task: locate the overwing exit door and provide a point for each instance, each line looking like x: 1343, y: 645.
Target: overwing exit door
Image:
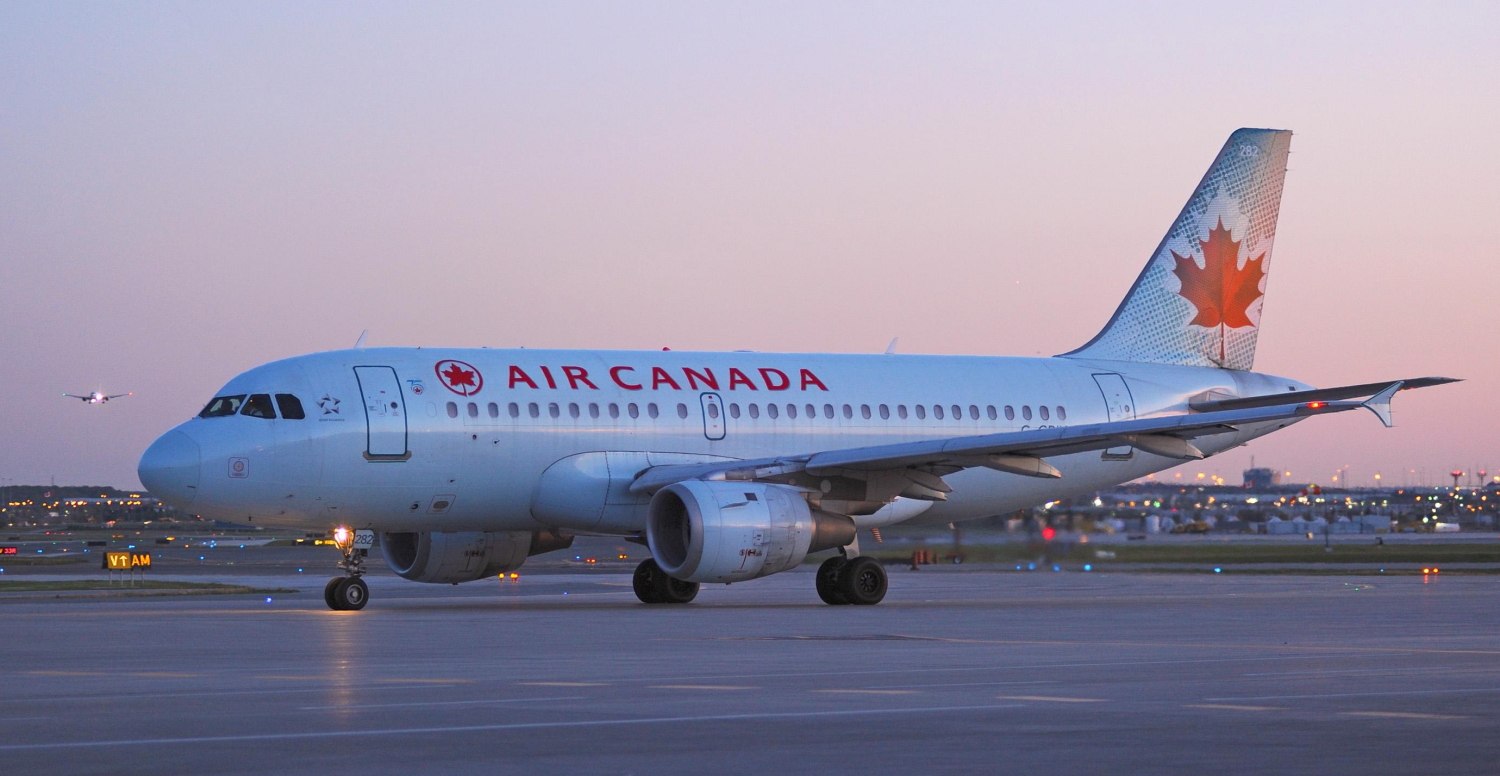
x: 713, y: 416
x: 1120, y: 406
x: 385, y: 413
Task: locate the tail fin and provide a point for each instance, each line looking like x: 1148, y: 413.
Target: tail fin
x: 1198, y: 301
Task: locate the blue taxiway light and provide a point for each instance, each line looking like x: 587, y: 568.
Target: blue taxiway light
x: 1218, y: 570
x: 1088, y: 567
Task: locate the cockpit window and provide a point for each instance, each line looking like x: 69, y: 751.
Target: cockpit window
x: 291, y: 406
x: 222, y: 405
x: 259, y: 406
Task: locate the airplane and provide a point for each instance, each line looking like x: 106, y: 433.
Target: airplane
x: 97, y: 397
x: 731, y: 466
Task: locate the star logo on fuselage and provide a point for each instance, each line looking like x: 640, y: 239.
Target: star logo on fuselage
x: 329, y: 405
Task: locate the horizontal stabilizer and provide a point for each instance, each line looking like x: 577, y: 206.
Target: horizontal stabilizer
x: 1320, y: 394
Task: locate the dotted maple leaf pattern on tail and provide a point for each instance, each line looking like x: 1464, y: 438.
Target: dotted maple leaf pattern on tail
x: 1220, y: 290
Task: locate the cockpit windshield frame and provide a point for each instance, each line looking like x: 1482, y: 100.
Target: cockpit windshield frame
x: 223, y: 406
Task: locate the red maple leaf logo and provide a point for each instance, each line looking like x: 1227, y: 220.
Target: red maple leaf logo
x: 459, y: 377
x: 1221, y: 291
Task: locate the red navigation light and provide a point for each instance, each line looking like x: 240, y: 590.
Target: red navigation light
x: 1049, y: 533
x: 1314, y: 405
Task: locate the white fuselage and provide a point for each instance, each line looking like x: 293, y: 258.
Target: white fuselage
x: 401, y: 439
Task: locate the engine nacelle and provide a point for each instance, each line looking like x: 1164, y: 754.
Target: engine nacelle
x: 732, y: 531
x: 450, y: 558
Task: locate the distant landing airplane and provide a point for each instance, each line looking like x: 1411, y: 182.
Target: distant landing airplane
x: 732, y: 466
x: 96, y: 397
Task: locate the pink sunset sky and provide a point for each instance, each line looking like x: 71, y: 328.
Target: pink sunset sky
x: 193, y: 189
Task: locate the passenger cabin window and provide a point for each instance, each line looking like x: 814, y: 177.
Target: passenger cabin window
x: 754, y: 410
x: 812, y: 412
x: 473, y: 410
x: 791, y: 411
x: 921, y: 412
x: 553, y: 410
x: 1062, y: 414
x: 901, y: 411
x: 990, y: 411
x: 652, y: 410
x: 632, y: 410
x: 533, y: 410
x: 937, y: 411
x: 713, y: 411
x: 772, y: 411
x: 514, y: 409
x: 734, y: 411
x: 291, y: 406
x: 958, y: 412
x: 848, y: 412
x: 1010, y: 412
x: 452, y: 410
x: 573, y: 410
x: 1026, y: 411
x: 493, y: 409
x: 973, y: 412
x: 593, y: 410
x: 1045, y: 414
x: 828, y: 411
x: 682, y: 411
x: 614, y: 410
x: 259, y: 406
x: 222, y: 406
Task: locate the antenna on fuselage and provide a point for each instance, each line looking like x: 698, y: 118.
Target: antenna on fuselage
x: 359, y: 343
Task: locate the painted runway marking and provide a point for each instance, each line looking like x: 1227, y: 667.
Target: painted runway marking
x: 1355, y: 694
x: 869, y: 692
x: 500, y: 727
x: 439, y: 703
x: 1231, y: 707
x: 283, y: 691
x: 425, y: 681
x: 1398, y: 715
x: 564, y: 684
x: 969, y: 684
x: 1049, y: 699
x: 699, y: 687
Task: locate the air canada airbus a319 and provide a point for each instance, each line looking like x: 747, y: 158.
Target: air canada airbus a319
x: 732, y: 466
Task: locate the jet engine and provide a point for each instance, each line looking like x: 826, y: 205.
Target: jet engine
x: 732, y: 531
x: 451, y: 558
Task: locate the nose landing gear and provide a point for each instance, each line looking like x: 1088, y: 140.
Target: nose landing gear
x: 348, y: 593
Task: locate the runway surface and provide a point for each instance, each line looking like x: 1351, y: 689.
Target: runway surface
x: 957, y: 672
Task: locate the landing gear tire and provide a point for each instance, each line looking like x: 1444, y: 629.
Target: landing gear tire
x: 350, y: 594
x: 654, y: 586
x: 828, y: 581
x: 328, y: 592
x: 862, y: 581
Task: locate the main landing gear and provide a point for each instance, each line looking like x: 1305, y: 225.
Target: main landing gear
x: 653, y: 586
x: 348, y: 593
x: 860, y: 581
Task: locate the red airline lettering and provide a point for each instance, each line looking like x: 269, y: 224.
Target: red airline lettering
x: 773, y: 384
x: 614, y: 374
x: 659, y: 376
x: 547, y: 373
x: 577, y: 374
x: 808, y: 378
x: 519, y: 375
x: 736, y: 377
x: 707, y: 376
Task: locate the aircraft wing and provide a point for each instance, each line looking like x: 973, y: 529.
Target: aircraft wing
x: 919, y: 466
x: 120, y: 395
x: 76, y: 396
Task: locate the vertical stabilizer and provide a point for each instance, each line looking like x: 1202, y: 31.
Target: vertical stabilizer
x: 1198, y: 301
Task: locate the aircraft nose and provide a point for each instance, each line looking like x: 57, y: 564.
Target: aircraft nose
x: 170, y: 468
